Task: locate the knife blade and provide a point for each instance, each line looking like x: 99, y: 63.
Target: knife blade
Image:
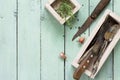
x: 99, y: 8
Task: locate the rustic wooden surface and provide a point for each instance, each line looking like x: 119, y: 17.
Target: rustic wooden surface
x: 31, y: 41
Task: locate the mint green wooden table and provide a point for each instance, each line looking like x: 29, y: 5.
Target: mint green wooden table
x: 31, y: 41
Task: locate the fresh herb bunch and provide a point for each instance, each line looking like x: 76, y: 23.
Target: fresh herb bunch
x: 65, y: 10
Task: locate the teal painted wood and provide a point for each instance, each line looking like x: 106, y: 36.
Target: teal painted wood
x: 7, y: 40
x: 52, y: 44
x: 28, y: 40
x: 73, y: 47
x: 40, y: 41
x: 106, y: 71
x: 116, y: 66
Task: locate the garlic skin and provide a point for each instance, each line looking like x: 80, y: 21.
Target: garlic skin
x: 81, y: 39
x: 62, y: 55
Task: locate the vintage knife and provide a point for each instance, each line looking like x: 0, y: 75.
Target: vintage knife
x: 101, y: 5
x: 85, y: 63
x: 91, y: 53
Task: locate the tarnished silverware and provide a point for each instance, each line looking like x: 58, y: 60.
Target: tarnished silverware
x: 108, y: 36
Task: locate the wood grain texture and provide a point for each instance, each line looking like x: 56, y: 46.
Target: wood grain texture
x: 72, y: 47
x: 52, y: 44
x: 116, y: 64
x: 28, y: 40
x: 7, y: 40
x: 32, y: 39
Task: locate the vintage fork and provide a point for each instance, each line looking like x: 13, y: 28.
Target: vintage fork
x: 108, y: 36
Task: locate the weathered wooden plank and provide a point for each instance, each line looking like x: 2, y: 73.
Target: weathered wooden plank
x: 52, y: 43
x: 116, y: 62
x: 72, y: 47
x: 7, y: 40
x: 116, y: 66
x: 106, y: 71
x: 28, y: 40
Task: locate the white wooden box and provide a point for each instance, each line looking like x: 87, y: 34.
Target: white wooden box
x: 109, y: 48
x: 56, y: 15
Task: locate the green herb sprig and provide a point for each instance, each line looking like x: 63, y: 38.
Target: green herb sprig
x: 65, y: 10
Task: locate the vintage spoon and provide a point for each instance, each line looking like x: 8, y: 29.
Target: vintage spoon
x: 108, y: 36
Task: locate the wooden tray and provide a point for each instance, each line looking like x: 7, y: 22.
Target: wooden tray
x: 51, y: 5
x: 109, y: 48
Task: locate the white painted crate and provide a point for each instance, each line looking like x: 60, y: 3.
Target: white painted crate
x: 56, y: 15
x: 109, y: 48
